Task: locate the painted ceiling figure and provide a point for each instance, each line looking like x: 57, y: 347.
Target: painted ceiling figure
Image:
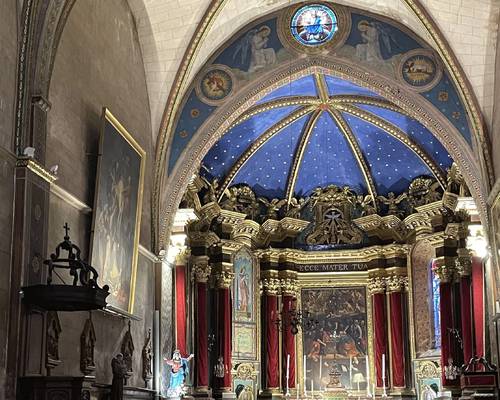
x: 255, y: 43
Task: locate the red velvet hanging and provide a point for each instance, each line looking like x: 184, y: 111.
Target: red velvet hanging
x: 446, y: 310
x: 225, y: 335
x: 466, y: 308
x: 380, y: 333
x: 180, y: 309
x: 272, y: 343
x: 478, y: 304
x: 397, y: 333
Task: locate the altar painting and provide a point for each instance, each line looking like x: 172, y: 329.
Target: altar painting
x: 340, y: 338
x: 117, y: 212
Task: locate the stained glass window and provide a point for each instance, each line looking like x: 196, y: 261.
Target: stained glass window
x: 314, y: 24
x: 435, y: 307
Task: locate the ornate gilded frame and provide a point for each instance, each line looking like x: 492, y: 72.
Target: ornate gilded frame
x: 108, y: 116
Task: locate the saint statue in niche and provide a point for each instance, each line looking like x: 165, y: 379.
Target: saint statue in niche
x: 178, y: 373
x: 243, y: 290
x: 119, y: 369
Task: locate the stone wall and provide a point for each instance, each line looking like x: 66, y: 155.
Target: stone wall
x: 8, y: 57
x: 98, y: 63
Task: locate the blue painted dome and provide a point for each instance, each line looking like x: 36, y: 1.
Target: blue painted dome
x: 338, y: 133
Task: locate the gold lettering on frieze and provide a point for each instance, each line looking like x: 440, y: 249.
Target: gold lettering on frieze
x: 347, y: 267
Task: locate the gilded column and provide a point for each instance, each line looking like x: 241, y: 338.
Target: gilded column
x: 223, y: 279
x: 376, y: 288
x: 444, y: 269
x: 397, y: 284
x: 201, y: 273
x: 464, y: 270
x: 270, y: 343
x: 289, y: 290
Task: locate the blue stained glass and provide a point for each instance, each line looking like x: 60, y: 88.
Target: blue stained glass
x: 435, y: 307
x: 313, y: 25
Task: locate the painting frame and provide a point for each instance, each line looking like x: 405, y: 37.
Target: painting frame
x: 136, y: 155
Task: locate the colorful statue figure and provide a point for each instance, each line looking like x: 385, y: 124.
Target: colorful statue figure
x: 178, y: 373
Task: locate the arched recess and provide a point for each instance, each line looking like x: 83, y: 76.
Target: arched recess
x: 162, y: 183
x: 414, y: 106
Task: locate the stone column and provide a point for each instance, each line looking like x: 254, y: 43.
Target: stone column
x: 223, y: 279
x: 201, y: 272
x: 464, y: 270
x: 397, y: 284
x: 270, y: 340
x: 289, y: 289
x: 376, y: 288
x: 444, y: 269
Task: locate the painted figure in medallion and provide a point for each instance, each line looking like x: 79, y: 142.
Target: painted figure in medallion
x: 178, y: 373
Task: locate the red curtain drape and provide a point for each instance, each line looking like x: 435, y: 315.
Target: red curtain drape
x: 180, y: 309
x: 202, y: 336
x: 478, y: 304
x: 380, y: 333
x: 397, y: 332
x: 288, y: 342
x: 272, y: 343
x: 446, y: 310
x: 225, y: 335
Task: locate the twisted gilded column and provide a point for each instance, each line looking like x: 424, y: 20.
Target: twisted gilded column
x: 376, y: 288
x: 271, y: 286
x: 444, y: 269
x: 201, y: 273
x: 223, y: 280
x: 289, y: 290
x: 397, y: 284
x: 463, y: 265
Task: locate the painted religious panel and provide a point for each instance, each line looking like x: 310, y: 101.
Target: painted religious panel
x: 117, y: 212
x: 339, y: 340
x: 244, y: 307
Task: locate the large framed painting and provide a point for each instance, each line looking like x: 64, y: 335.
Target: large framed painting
x: 340, y: 338
x: 117, y: 212
x: 244, y: 306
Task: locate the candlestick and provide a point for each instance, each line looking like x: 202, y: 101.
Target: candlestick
x: 320, y: 370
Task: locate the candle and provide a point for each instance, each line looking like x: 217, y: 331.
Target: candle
x: 383, y: 370
x: 312, y: 388
x: 287, y: 371
x: 298, y: 390
x: 320, y: 370
x: 368, y: 394
x: 350, y: 373
x: 305, y: 374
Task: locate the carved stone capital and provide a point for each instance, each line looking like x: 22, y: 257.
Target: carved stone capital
x: 201, y: 269
x: 223, y: 278
x: 463, y: 262
x: 396, y: 283
x: 270, y: 282
x: 444, y: 269
x: 376, y: 285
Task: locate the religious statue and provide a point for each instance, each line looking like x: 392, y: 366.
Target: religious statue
x: 219, y: 368
x: 392, y: 202
x: 119, y: 369
x: 179, y: 370
x: 366, y: 204
x: 272, y: 207
x: 428, y: 393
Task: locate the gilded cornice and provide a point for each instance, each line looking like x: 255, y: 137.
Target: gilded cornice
x: 341, y: 256
x: 376, y: 284
x: 270, y: 282
x: 36, y: 168
x: 202, y: 239
x: 399, y: 135
x: 396, y: 283
x: 230, y: 219
x: 259, y: 142
x: 289, y: 283
x: 245, y: 232
x: 272, y: 230
x: 223, y: 275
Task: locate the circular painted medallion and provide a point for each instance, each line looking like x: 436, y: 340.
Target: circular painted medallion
x: 215, y: 84
x: 313, y: 25
x: 419, y: 69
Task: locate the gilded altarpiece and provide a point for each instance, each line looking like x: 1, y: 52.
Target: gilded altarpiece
x: 342, y: 338
x: 245, y: 285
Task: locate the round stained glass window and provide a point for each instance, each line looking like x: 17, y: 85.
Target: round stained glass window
x: 313, y: 25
